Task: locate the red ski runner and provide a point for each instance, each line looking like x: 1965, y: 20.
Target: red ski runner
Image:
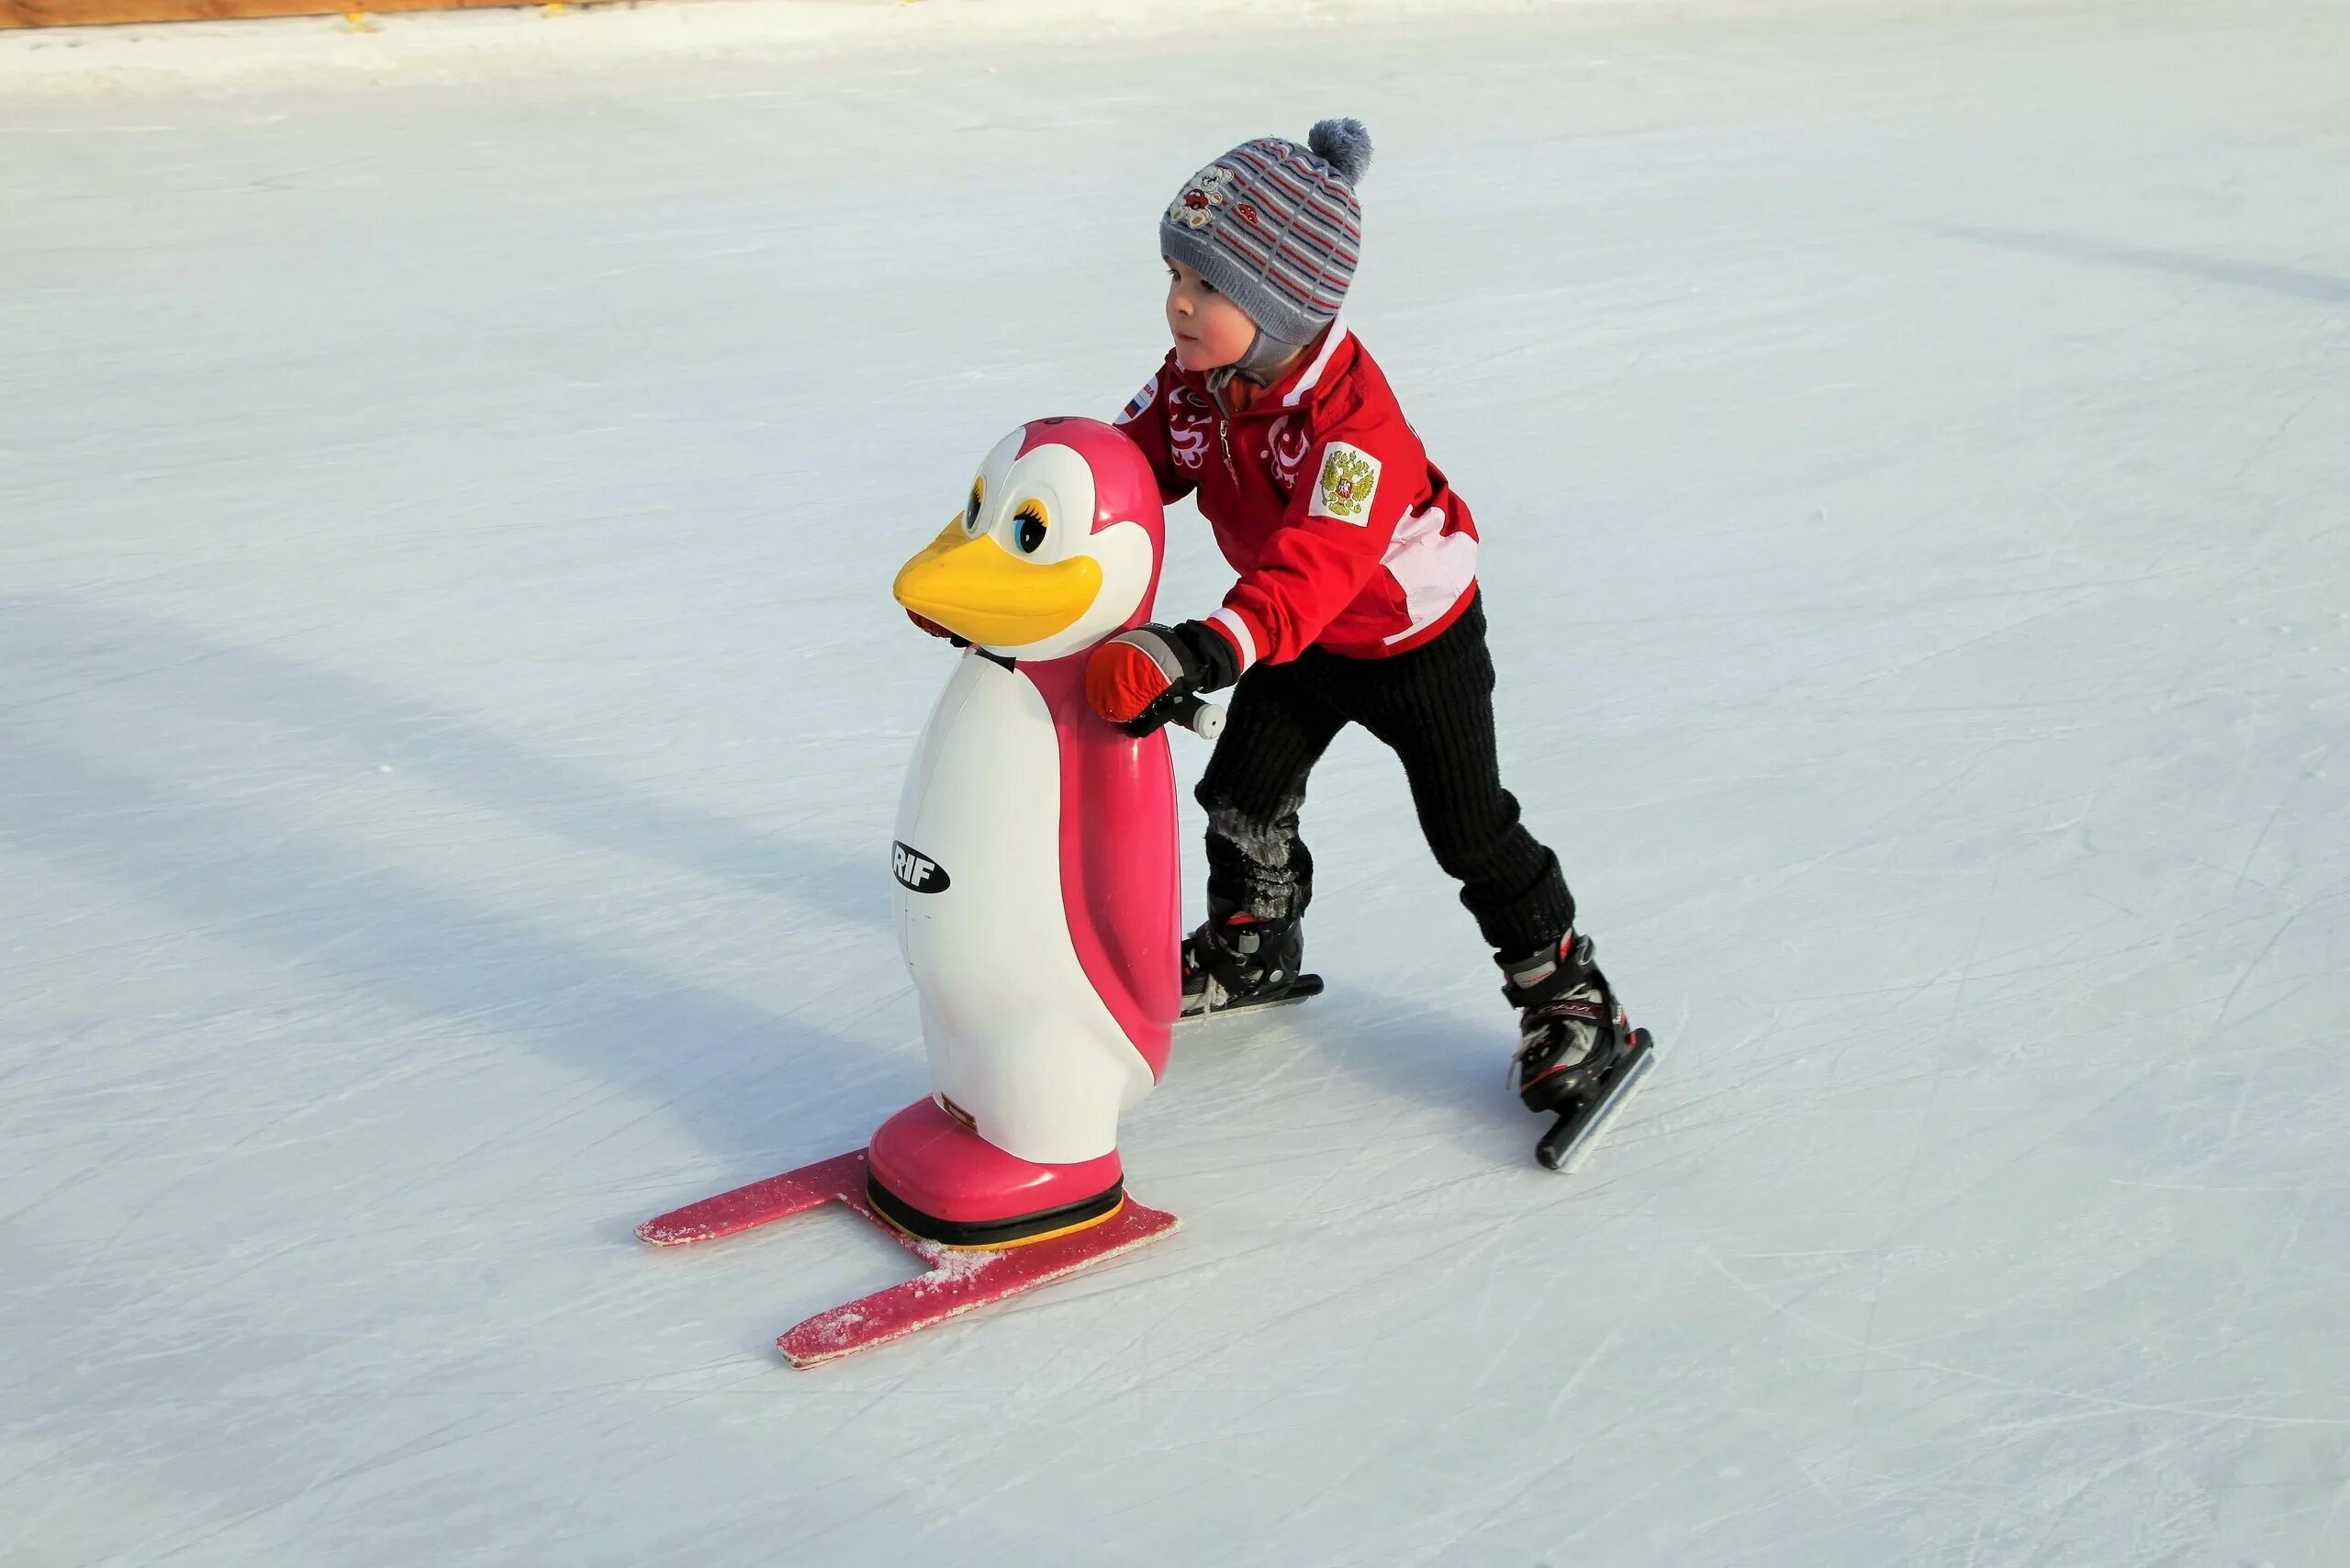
x: 959, y: 1279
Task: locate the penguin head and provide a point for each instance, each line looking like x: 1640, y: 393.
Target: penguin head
x: 1056, y: 548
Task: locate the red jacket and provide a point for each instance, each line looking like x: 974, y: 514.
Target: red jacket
x: 1322, y: 499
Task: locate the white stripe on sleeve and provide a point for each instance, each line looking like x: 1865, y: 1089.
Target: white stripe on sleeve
x: 1241, y: 638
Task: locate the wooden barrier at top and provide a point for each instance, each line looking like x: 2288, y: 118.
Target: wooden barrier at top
x: 96, y: 13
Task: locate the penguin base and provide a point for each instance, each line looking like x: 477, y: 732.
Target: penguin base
x: 953, y: 1282
x: 933, y: 1177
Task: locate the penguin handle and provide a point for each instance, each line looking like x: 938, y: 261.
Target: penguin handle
x: 1201, y: 717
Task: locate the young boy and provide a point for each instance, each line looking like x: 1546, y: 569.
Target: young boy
x: 1356, y: 602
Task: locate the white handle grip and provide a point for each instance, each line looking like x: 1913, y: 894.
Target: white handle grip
x: 1202, y: 718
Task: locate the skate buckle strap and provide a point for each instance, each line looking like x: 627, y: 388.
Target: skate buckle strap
x: 1534, y: 1032
x: 1533, y: 975
x: 1579, y: 1006
x: 1524, y: 981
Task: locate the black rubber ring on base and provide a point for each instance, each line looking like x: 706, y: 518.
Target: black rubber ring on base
x: 990, y: 1232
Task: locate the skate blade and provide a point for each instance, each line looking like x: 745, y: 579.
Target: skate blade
x: 1303, y: 988
x: 1564, y: 1147
x: 959, y: 1279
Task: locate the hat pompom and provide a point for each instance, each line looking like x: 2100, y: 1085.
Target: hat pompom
x: 1343, y: 144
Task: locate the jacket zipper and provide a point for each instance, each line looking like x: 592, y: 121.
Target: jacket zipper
x: 1223, y: 432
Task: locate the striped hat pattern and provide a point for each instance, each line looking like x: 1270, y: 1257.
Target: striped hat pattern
x: 1276, y: 226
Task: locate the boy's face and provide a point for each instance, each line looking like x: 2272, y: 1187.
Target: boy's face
x: 1210, y: 331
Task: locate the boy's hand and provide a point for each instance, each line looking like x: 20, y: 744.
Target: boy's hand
x: 936, y: 629
x: 1137, y: 678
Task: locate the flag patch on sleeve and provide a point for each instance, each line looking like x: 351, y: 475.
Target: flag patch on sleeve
x: 1140, y: 400
x: 1350, y: 477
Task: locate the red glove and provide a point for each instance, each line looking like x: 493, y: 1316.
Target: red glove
x: 1137, y: 678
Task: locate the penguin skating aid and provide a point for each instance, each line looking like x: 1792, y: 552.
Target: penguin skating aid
x: 1038, y: 909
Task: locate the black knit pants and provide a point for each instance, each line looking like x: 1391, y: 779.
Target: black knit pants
x: 1434, y: 707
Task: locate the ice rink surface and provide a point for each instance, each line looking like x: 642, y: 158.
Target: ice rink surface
x: 451, y: 718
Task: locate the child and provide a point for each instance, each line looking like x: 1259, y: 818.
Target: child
x: 1356, y: 602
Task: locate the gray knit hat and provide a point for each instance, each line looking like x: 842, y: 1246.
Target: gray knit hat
x: 1276, y: 226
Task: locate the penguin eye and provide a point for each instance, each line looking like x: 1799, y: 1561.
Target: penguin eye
x: 971, y: 506
x: 1030, y: 536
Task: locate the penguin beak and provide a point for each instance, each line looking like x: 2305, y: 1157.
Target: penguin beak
x: 976, y: 588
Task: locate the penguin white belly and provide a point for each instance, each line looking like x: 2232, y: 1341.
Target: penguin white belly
x: 1017, y: 1034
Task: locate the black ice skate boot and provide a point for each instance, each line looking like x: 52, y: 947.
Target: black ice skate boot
x: 1238, y: 961
x: 1578, y: 1055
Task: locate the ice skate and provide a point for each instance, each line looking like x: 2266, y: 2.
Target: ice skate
x: 1578, y: 1055
x: 1239, y: 961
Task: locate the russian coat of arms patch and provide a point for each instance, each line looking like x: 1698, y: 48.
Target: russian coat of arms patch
x: 1350, y: 477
